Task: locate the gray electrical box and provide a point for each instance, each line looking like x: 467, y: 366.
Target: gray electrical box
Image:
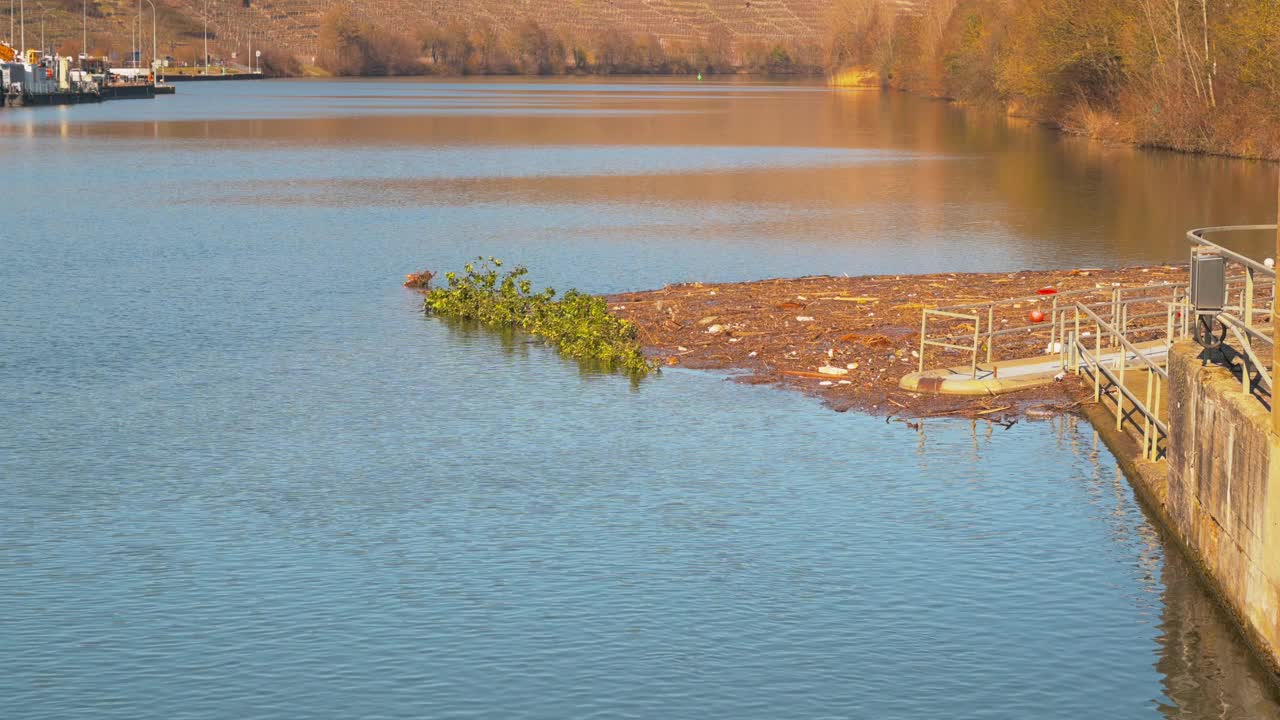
x: 1208, y: 282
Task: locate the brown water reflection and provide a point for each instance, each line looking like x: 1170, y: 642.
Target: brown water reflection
x: 942, y: 175
x: 1201, y: 655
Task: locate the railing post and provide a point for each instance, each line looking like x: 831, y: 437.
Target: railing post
x: 1075, y: 338
x: 1054, y: 322
x: 1124, y: 359
x: 1146, y: 419
x: 1155, y: 412
x: 1115, y: 312
x: 1062, y: 332
x: 1246, y: 340
x: 1097, y: 361
x: 924, y: 324
x: 977, y: 329
x: 1248, y: 297
x: 991, y: 329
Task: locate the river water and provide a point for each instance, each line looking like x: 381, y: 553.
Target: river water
x: 245, y: 477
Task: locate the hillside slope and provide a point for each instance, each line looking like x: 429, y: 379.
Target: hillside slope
x: 293, y: 25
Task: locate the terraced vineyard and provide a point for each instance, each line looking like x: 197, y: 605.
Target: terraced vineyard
x: 293, y: 25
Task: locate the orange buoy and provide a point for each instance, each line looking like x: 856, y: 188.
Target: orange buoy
x: 1036, y: 316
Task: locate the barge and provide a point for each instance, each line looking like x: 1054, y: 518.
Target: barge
x: 43, y: 80
x: 36, y: 79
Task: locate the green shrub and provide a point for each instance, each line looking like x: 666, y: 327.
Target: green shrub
x: 578, y: 325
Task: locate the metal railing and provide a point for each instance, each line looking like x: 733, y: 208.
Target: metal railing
x: 1248, y: 282
x: 1110, y: 383
x: 1133, y: 309
x: 949, y: 342
x: 1240, y: 318
x: 1108, y: 334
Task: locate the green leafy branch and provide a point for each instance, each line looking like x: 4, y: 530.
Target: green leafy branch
x: 579, y: 325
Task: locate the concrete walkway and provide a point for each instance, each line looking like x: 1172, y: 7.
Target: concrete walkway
x: 1006, y: 376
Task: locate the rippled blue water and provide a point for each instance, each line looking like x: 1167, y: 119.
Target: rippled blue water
x: 244, y: 477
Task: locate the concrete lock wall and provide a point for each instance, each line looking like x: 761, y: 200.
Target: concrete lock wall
x: 1222, y: 496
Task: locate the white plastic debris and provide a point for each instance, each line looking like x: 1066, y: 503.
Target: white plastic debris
x: 715, y: 329
x: 804, y: 318
x: 826, y: 383
x: 829, y: 370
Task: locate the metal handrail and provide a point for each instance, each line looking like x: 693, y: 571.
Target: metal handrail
x: 1241, y: 326
x: 1239, y: 329
x: 1080, y: 357
x: 1197, y: 237
x: 1108, y: 297
x: 1066, y: 294
x: 1124, y: 341
x: 1133, y: 398
x: 1236, y: 322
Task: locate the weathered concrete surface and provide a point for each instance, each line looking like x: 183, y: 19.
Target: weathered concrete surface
x: 1221, y: 497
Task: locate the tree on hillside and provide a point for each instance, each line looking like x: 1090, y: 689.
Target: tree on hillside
x: 448, y: 48
x: 536, y: 51
x: 859, y: 34
x: 341, y: 42
x: 615, y: 52
x: 279, y: 63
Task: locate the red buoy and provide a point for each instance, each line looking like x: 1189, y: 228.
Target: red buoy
x: 1035, y: 316
x: 1047, y: 290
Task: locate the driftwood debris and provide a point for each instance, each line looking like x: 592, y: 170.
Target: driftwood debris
x: 783, y: 331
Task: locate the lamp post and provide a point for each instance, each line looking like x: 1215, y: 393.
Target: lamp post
x: 206, y: 37
x: 43, y: 11
x: 153, y: 34
x: 22, y: 8
x: 84, y: 30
